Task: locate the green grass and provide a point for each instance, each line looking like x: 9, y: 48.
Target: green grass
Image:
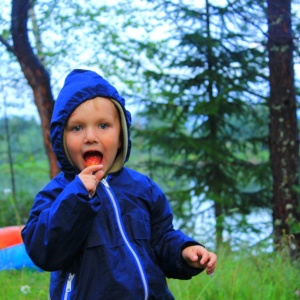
x: 267, y: 276
x: 238, y: 276
x: 24, y: 285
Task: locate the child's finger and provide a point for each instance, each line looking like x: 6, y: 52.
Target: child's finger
x: 195, y: 254
x: 211, y: 265
x: 92, y: 169
x: 204, y: 257
x: 99, y: 175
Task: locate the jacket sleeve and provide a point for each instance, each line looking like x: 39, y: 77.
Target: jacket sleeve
x: 167, y: 242
x: 59, y: 223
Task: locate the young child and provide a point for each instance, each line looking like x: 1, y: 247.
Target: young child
x: 103, y: 230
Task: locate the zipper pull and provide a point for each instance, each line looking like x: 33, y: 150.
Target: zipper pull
x: 69, y: 283
x: 105, y: 182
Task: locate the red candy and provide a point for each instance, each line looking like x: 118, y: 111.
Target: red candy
x: 93, y: 159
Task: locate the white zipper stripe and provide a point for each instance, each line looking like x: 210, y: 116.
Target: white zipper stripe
x: 69, y: 285
x: 122, y: 231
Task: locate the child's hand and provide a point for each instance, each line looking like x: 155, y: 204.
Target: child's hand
x: 198, y: 257
x: 90, y: 177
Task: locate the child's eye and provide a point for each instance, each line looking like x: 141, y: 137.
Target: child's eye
x: 103, y: 126
x: 76, y: 128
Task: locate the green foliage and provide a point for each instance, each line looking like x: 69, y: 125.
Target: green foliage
x: 204, y: 118
x: 16, y: 211
x: 30, y: 170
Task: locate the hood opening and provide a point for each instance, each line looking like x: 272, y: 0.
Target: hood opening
x: 80, y: 86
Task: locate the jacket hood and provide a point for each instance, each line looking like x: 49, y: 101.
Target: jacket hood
x: 80, y: 86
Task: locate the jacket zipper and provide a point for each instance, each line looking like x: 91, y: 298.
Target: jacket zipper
x: 69, y: 286
x: 124, y: 236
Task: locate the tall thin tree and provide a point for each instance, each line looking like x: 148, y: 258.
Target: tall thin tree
x: 284, y: 140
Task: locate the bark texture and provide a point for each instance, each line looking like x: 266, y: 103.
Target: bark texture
x: 284, y: 143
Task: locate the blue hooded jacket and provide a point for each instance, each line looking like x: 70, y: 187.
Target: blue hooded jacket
x: 119, y: 244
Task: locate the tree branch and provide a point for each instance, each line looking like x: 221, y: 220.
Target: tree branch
x: 7, y: 45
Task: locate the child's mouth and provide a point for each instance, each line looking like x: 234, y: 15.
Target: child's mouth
x: 92, y: 158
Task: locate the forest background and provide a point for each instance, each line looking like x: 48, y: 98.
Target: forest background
x: 212, y: 89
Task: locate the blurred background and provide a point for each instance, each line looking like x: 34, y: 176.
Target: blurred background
x: 213, y: 88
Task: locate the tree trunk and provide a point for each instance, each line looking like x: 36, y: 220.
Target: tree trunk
x: 219, y: 217
x: 35, y: 73
x: 283, y: 121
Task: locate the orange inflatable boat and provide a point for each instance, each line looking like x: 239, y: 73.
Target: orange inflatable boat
x: 10, y: 236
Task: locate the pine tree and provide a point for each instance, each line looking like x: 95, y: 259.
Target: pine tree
x: 205, y: 99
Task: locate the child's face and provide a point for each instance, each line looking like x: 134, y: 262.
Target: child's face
x: 93, y: 129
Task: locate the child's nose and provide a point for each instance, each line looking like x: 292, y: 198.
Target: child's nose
x: 91, y: 136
